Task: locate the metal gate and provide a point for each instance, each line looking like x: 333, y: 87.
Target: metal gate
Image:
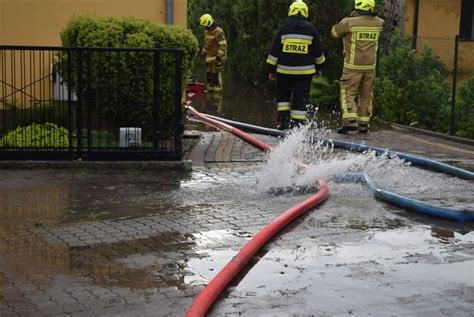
x: 90, y: 103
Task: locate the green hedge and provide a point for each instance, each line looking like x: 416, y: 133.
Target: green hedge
x: 412, y: 87
x: 125, y: 98
x: 91, y: 31
x: 465, y: 109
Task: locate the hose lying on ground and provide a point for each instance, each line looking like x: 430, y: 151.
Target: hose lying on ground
x: 415, y: 160
x: 408, y: 203
x: 208, y: 295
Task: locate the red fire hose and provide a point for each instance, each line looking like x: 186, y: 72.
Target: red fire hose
x: 224, y: 126
x: 208, y: 295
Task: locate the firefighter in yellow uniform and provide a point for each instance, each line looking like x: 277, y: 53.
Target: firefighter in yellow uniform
x: 360, y: 33
x: 214, y: 51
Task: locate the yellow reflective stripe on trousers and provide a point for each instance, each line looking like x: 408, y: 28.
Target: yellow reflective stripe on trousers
x: 210, y: 59
x: 345, y: 113
x: 349, y: 115
x: 359, y: 67
x: 282, y: 106
x: 363, y: 119
x: 298, y: 114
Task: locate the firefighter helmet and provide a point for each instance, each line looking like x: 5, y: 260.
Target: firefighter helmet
x: 206, y: 20
x: 366, y: 5
x: 298, y: 7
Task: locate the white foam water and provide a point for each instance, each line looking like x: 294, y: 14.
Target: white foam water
x: 305, y: 145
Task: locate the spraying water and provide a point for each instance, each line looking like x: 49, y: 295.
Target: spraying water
x: 305, y: 145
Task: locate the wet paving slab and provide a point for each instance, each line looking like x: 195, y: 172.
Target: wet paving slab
x: 144, y: 243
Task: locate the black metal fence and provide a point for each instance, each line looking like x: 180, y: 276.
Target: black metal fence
x: 90, y: 103
x: 457, y: 54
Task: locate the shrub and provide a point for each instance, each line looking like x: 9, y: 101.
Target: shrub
x: 324, y: 93
x: 126, y: 97
x: 47, y: 135
x: 412, y: 88
x: 14, y: 115
x: 465, y: 109
x: 91, y: 31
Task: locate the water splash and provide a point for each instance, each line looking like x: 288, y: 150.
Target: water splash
x: 305, y: 145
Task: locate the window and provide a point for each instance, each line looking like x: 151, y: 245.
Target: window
x: 466, y: 29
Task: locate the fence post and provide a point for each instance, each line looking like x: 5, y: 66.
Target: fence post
x: 178, y: 123
x: 156, y: 97
x: 70, y: 116
x: 79, y: 103
x: 452, y: 129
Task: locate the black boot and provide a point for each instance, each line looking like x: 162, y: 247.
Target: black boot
x: 343, y: 130
x: 210, y: 81
x: 363, y: 128
x: 283, y: 120
x: 347, y: 128
x: 296, y: 123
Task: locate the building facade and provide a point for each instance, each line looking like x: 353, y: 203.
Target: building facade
x: 436, y: 23
x: 24, y: 76
x: 34, y: 22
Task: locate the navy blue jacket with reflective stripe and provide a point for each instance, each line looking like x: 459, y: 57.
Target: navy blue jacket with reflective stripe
x: 296, y: 48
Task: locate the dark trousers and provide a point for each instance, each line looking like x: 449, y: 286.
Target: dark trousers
x: 293, y: 89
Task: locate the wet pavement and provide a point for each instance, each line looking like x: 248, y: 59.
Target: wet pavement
x: 144, y: 243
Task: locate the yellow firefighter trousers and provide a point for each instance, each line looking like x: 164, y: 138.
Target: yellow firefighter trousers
x: 356, y: 98
x: 214, y: 81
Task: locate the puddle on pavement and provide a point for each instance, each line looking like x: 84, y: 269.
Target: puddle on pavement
x: 48, y: 198
x: 140, y: 264
x: 369, y: 245
x: 385, y: 264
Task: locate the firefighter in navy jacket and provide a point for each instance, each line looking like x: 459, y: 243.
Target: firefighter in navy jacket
x: 295, y: 57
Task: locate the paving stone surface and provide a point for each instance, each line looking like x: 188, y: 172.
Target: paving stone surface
x: 145, y: 244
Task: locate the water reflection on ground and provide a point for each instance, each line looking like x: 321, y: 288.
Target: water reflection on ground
x: 134, y: 243
x: 256, y: 105
x: 240, y: 103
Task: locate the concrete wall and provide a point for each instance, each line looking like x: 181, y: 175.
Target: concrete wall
x: 436, y: 18
x: 438, y: 24
x: 39, y: 22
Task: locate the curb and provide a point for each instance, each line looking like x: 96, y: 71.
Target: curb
x: 99, y: 165
x: 443, y: 136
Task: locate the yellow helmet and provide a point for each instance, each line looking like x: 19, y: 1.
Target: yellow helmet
x: 366, y: 5
x: 206, y: 20
x: 298, y: 7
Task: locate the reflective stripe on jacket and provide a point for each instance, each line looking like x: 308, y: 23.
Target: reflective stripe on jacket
x: 296, y: 49
x: 360, y: 36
